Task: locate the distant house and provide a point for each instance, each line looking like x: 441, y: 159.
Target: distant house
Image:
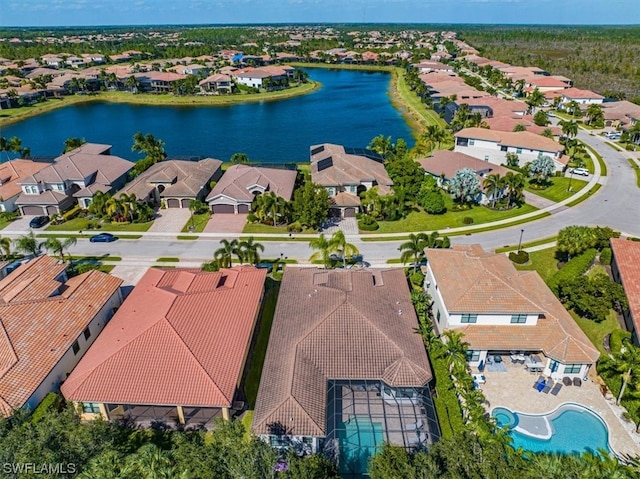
x: 620, y: 113
x: 625, y: 269
x: 11, y: 174
x: 492, y: 146
x: 48, y: 323
x: 175, y: 182
x: 181, y: 362
x: 347, y: 172
x: 158, y: 82
x: 240, y: 184
x: 73, y: 176
x: 501, y: 310
x: 218, y: 83
x: 343, y: 356
x: 255, y: 77
x: 193, y: 69
x: 431, y: 66
x: 582, y: 97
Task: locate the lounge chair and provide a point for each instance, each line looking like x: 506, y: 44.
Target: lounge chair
x: 566, y: 381
x: 556, y: 389
x: 546, y: 388
x: 419, y: 439
x: 497, y: 358
x: 577, y: 382
x: 540, y: 386
x: 414, y: 426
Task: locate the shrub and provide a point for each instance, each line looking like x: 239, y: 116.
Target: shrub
x: 417, y: 278
x: 294, y: 227
x: 605, y: 256
x: 520, y: 257
x: 446, y: 242
x: 72, y: 213
x: 8, y: 216
x: 433, y: 203
x: 50, y: 402
x: 574, y: 268
x: 467, y: 220
x: 80, y: 268
x: 617, y: 338
x: 630, y: 147
x: 367, y: 223
x: 252, y: 218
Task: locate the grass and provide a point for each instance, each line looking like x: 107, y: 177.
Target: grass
x: 106, y: 268
x: 246, y: 420
x: 81, y: 224
x: 593, y: 190
x: 544, y: 262
x: 394, y: 261
x: 421, y: 221
x: 105, y: 257
x: 558, y: 190
x: 168, y: 259
x: 603, y: 165
x: 198, y: 221
x: 596, y: 332
x: 636, y: 168
x: 187, y: 238
x: 259, y: 228
x: 614, y: 146
x: 4, y: 222
x: 529, y: 244
x: 252, y: 379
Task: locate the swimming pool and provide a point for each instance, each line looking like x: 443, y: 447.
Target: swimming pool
x: 570, y: 429
x: 359, y: 439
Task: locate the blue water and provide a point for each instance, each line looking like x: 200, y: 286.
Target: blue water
x: 359, y: 440
x: 575, y: 431
x: 351, y: 108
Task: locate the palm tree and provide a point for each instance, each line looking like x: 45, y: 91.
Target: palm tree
x: 150, y: 146
x: 573, y: 107
x: 58, y: 247
x: 114, y: 209
x: 247, y: 251
x: 129, y: 205
x: 224, y: 255
x: 534, y: 100
x: 73, y: 143
x: 569, y: 128
x: 28, y: 244
x: 342, y: 247
x: 99, y: 203
x: 5, y: 247
x: 594, y: 113
x: 196, y: 206
x: 515, y: 183
x: 455, y: 349
x: 323, y: 247
x: 493, y: 185
x: 433, y: 136
x: 132, y: 84
x: 627, y: 364
x: 413, y: 249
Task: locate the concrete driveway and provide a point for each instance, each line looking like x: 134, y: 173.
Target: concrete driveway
x: 226, y: 223
x: 170, y: 220
x: 22, y: 224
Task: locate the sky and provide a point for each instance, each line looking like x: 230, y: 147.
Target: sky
x: 24, y: 13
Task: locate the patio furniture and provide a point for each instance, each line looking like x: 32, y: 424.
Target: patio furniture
x: 547, y: 387
x: 540, y: 386
x: 419, y: 439
x: 497, y: 358
x: 566, y: 381
x: 479, y: 378
x: 556, y: 389
x: 481, y: 366
x: 577, y: 382
x: 489, y: 360
x: 414, y: 426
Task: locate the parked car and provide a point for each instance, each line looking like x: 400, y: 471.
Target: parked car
x: 38, y: 222
x: 579, y: 171
x: 103, y: 238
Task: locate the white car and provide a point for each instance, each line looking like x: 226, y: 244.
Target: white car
x: 579, y: 171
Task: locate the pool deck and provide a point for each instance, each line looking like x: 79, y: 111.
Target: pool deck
x: 514, y: 390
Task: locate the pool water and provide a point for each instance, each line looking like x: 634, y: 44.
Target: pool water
x: 575, y: 430
x: 359, y: 440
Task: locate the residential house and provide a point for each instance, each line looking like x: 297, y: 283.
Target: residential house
x: 582, y: 97
x: 175, y: 182
x: 218, y: 83
x: 48, y: 323
x: 158, y: 82
x: 255, y: 77
x: 343, y: 355
x: 431, y: 66
x: 545, y: 83
x: 625, y: 268
x: 73, y: 176
x: 500, y: 310
x: 620, y: 114
x: 240, y: 184
x: 492, y: 146
x: 444, y: 164
x: 11, y: 174
x: 347, y: 172
x: 175, y: 351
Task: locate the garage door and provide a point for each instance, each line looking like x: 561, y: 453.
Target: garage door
x: 350, y: 213
x: 185, y: 202
x: 223, y: 209
x: 33, y: 210
x: 243, y: 208
x: 173, y: 203
x: 52, y: 210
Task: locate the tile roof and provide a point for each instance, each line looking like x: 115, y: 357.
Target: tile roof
x: 627, y: 259
x: 571, y: 93
x: 336, y: 324
x: 520, y: 139
x: 14, y: 171
x: 449, y: 162
x: 40, y: 318
x: 180, y: 338
x: 237, y: 180
x: 471, y: 280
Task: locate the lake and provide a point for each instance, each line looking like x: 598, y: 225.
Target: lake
x: 350, y: 108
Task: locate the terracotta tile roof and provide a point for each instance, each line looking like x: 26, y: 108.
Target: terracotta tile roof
x: 627, y: 258
x: 180, y: 338
x: 345, y: 199
x: 577, y: 93
x: 14, y: 171
x: 336, y: 324
x: 449, y: 162
x: 471, y: 280
x: 344, y: 168
x: 520, y: 139
x: 547, y: 82
x: 40, y: 318
x: 238, y: 179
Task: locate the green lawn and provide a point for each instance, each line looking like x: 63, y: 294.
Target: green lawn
x: 592, y: 191
x: 558, y: 190
x: 4, y: 223
x: 259, y: 228
x: 168, y: 259
x: 596, y: 332
x: 252, y: 379
x: 81, y: 224
x: 603, y: 165
x: 529, y: 244
x: 636, y: 168
x: 421, y: 221
x: 542, y: 261
x: 198, y: 222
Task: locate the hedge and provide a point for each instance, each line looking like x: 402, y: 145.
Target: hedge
x: 520, y: 257
x: 605, y: 256
x: 446, y: 402
x: 575, y: 267
x: 51, y: 401
x: 72, y: 213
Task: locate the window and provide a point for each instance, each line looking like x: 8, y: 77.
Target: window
x: 438, y: 315
x: 518, y: 150
x: 473, y: 355
x: 503, y: 148
x: 90, y: 407
x: 518, y: 318
x: 469, y: 318
x: 472, y: 142
x: 76, y: 347
x: 352, y: 188
x: 87, y: 333
x: 572, y: 368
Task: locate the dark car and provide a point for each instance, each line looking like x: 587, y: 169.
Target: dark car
x: 38, y: 222
x: 103, y: 238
